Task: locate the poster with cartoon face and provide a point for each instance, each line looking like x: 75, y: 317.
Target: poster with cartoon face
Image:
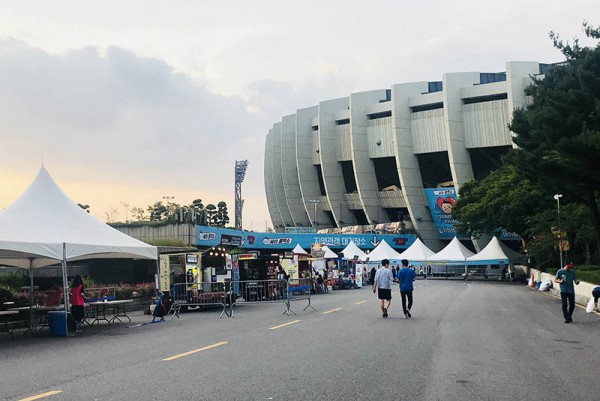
x: 441, y: 201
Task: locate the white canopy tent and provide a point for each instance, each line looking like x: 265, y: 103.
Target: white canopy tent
x: 44, y: 227
x: 492, y: 254
x: 453, y: 252
x: 417, y: 252
x: 352, y: 250
x: 298, y: 250
x: 383, y: 251
x: 329, y: 254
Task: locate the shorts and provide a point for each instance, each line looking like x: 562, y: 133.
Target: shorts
x: 384, y: 293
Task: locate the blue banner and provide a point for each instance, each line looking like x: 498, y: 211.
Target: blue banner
x: 213, y: 236
x: 441, y: 201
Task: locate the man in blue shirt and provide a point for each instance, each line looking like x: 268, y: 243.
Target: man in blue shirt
x: 406, y: 276
x: 566, y: 277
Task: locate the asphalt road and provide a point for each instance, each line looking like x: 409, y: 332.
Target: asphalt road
x: 466, y: 341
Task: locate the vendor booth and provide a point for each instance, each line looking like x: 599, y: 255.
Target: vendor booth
x: 449, y: 262
x: 494, y: 261
x: 357, y: 259
x: 417, y: 254
x: 383, y: 251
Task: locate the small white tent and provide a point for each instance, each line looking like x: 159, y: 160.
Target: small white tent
x: 383, y: 251
x: 417, y: 252
x: 492, y: 254
x: 352, y: 250
x: 298, y: 250
x: 329, y: 254
x: 453, y: 252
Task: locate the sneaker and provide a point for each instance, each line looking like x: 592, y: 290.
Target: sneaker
x: 385, y: 312
x: 406, y: 315
x: 409, y: 315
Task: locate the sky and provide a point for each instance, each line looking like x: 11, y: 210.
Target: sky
x: 127, y: 103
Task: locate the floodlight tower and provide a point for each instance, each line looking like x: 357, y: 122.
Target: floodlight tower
x: 240, y: 173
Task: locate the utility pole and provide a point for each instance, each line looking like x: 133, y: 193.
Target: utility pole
x: 315, y: 202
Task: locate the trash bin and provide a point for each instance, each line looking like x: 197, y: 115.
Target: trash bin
x: 58, y: 326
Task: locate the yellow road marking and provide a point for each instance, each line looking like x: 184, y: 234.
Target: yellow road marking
x: 360, y: 302
x: 285, y: 324
x: 43, y: 395
x: 331, y: 310
x: 196, y: 350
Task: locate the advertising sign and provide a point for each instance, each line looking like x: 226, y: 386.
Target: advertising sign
x: 232, y: 240
x: 441, y: 201
x: 213, y: 236
x: 317, y: 251
x: 235, y: 274
x: 247, y: 256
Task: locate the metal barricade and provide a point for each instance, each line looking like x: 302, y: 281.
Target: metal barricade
x: 298, y: 290
x: 199, y: 295
x: 259, y: 291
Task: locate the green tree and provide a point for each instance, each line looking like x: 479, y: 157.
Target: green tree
x: 138, y: 214
x: 502, y: 200
x: 558, y: 135
x: 222, y: 216
x: 157, y: 211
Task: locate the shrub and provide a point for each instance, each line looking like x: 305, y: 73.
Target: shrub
x: 7, y: 294
x: 145, y: 289
x: 124, y: 291
x: 12, y: 280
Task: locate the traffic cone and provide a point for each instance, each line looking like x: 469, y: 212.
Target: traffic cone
x: 532, y: 283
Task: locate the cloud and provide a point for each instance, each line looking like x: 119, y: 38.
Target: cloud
x: 107, y: 116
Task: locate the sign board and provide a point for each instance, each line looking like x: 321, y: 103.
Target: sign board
x: 284, y: 242
x: 441, y: 201
x: 317, y: 251
x: 247, y: 256
x: 231, y: 240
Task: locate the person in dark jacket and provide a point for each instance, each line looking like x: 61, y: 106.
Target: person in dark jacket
x: 372, y: 276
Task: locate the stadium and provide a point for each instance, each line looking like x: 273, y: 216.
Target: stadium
x: 392, y: 160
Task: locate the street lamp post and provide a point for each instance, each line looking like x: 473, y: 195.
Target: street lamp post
x: 315, y: 202
x: 557, y: 197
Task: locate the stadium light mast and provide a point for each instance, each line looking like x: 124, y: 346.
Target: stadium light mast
x: 240, y: 173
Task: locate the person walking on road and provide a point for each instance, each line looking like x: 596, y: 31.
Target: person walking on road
x: 566, y: 277
x: 383, y: 282
x: 406, y: 276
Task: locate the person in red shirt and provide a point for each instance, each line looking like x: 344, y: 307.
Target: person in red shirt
x: 77, y: 300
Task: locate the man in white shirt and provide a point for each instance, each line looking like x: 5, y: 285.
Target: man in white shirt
x: 383, y: 282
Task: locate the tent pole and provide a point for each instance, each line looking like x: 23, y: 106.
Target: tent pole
x: 65, y: 285
x: 30, y: 296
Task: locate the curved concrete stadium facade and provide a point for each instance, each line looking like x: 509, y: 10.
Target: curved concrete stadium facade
x: 369, y: 158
